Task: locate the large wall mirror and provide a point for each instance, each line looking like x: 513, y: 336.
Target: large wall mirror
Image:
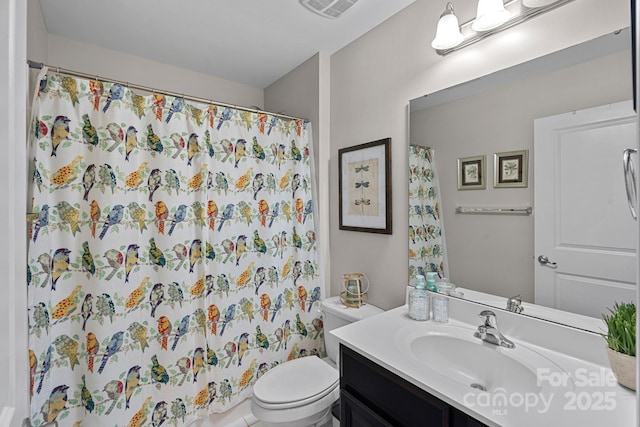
x: 496, y: 254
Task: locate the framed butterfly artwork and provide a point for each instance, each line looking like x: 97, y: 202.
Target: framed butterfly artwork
x: 365, y: 187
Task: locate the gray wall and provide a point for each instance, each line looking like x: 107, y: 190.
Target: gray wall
x: 304, y: 92
x: 493, y: 253
x: 37, y: 49
x: 298, y: 94
x: 110, y: 64
x: 372, y: 81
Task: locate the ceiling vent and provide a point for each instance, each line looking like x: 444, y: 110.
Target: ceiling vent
x: 328, y: 8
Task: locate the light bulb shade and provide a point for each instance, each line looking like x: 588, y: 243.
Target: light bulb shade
x: 448, y: 33
x: 532, y: 4
x: 491, y: 14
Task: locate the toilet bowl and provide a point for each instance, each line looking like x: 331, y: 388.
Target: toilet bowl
x: 301, y: 392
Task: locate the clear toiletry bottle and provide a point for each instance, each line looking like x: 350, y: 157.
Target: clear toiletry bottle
x: 441, y: 301
x: 419, y: 300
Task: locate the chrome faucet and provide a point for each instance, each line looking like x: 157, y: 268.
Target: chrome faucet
x: 488, y: 331
x: 514, y: 304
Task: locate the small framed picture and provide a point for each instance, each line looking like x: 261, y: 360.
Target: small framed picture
x: 510, y: 169
x: 472, y: 173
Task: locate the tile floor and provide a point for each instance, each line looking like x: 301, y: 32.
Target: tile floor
x: 239, y: 416
x: 336, y: 423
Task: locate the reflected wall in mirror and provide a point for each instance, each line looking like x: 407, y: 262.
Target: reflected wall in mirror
x: 494, y: 254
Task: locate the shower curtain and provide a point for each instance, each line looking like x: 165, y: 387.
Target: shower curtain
x: 173, y: 261
x: 427, y: 251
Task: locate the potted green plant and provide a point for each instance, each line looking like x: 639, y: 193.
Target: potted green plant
x: 621, y: 341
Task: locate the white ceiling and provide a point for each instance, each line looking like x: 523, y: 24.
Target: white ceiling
x: 254, y: 42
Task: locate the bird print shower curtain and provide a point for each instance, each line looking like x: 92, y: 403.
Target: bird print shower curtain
x: 173, y: 260
x: 426, y: 234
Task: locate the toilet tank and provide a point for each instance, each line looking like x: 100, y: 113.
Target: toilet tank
x: 336, y: 315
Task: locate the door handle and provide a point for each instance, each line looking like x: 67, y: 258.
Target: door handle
x: 545, y: 261
x: 630, y: 175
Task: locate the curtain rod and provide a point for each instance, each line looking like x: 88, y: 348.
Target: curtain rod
x: 59, y: 70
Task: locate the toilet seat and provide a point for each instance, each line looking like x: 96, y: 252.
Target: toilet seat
x: 295, y: 383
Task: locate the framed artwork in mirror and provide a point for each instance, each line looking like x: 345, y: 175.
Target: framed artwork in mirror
x: 364, y: 181
x: 510, y: 169
x: 472, y: 173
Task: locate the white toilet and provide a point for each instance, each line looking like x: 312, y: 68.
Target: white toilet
x: 301, y: 392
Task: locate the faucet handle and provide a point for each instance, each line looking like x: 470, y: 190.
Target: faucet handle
x: 514, y: 304
x: 489, y: 317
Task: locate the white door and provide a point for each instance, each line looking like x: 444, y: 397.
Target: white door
x: 583, y: 225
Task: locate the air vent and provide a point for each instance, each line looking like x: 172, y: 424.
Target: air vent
x: 328, y: 8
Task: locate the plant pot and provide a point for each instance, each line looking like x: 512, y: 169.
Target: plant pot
x: 623, y: 367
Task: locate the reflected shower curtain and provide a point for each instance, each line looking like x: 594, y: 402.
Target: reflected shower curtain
x: 173, y: 261
x: 426, y: 233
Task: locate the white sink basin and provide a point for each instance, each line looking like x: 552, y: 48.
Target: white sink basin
x: 456, y: 354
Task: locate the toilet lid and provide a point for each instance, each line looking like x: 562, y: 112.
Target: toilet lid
x: 296, y: 380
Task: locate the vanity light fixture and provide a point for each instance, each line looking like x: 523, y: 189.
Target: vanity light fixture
x: 491, y: 14
x: 492, y: 17
x: 448, y: 33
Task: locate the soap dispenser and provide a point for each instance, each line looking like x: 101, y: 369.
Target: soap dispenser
x: 431, y: 281
x: 419, y: 300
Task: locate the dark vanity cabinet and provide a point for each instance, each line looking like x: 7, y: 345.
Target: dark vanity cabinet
x: 371, y: 396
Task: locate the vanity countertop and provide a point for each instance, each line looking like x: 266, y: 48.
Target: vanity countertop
x: 588, y: 396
